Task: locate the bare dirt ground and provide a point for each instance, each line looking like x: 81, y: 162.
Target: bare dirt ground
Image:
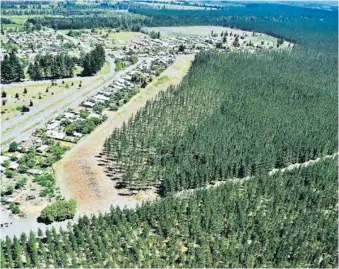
x: 78, y: 174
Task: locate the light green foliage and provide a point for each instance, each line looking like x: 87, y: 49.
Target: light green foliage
x: 9, y: 173
x: 6, y: 163
x: 14, y: 208
x: 59, y: 210
x: 48, y: 182
x: 20, y: 183
x: 84, y: 113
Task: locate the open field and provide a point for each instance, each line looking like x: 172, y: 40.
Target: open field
x: 198, y: 31
x: 18, y: 125
x: 12, y: 107
x: 110, y: 36
x: 35, y: 88
x: 78, y: 174
x: 124, y: 37
x: 186, y: 31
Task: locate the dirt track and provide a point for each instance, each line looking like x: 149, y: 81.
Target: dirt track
x: 78, y: 174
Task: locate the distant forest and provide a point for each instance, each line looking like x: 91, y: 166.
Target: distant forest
x: 119, y: 20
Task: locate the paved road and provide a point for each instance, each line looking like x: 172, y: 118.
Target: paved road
x: 18, y: 130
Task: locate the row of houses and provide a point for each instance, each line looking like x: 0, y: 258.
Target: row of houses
x: 42, y: 41
x: 137, y: 78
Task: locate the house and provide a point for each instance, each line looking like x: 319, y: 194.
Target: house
x: 34, y: 171
x: 105, y: 93
x: 69, y: 115
x: 94, y: 115
x: 77, y: 134
x: 13, y: 166
x: 52, y: 125
x: 88, y: 104
x: 42, y: 148
x: 24, y: 146
x: 101, y: 97
x: 37, y: 140
x: 55, y: 134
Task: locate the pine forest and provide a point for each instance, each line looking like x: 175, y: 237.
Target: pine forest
x: 222, y: 150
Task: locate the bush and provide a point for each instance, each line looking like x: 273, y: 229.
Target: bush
x: 57, y: 151
x: 113, y: 107
x: 6, y: 164
x: 47, y: 192
x: 45, y: 180
x: 84, y: 113
x: 13, y: 147
x: 9, y: 190
x: 59, y: 211
x: 9, y: 173
x: 20, y: 183
x: 25, y: 108
x: 14, y: 208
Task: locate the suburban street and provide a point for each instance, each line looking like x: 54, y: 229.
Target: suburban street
x: 22, y: 127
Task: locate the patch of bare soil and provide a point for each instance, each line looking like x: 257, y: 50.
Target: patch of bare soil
x: 78, y: 174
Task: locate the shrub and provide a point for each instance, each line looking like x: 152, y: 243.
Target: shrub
x: 13, y: 147
x: 20, y: 183
x: 9, y: 173
x: 113, y: 107
x: 25, y: 109
x: 84, y: 113
x: 14, y: 208
x: 6, y: 164
x: 59, y: 211
x: 45, y: 180
x: 9, y: 190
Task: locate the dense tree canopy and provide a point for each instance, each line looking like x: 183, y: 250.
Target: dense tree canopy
x: 287, y: 220
x: 93, y: 61
x: 51, y: 66
x: 11, y: 68
x: 234, y: 114
x: 122, y: 20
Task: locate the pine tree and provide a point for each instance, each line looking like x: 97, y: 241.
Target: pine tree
x: 6, y: 69
x: 18, y: 252
x: 32, y: 242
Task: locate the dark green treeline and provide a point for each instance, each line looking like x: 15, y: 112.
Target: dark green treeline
x: 287, y: 220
